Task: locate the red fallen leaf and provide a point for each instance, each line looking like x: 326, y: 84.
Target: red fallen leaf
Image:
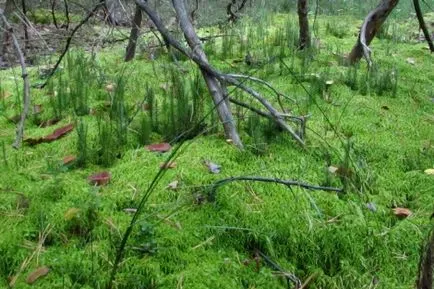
x: 160, y: 147
x: 69, y: 159
x: 169, y: 165
x: 38, y: 273
x: 100, y: 179
x: 402, y: 212
x: 58, y: 133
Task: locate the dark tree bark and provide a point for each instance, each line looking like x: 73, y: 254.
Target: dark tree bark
x: 304, y: 34
x: 422, y: 24
x: 369, y: 29
x: 53, y: 13
x: 66, y: 15
x: 134, y: 35
x: 25, y: 25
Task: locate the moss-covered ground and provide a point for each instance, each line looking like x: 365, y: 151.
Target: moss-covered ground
x: 381, y: 135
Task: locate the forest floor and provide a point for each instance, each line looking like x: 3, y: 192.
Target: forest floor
x: 377, y: 140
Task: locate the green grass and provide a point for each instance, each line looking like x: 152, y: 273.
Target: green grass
x: 183, y: 241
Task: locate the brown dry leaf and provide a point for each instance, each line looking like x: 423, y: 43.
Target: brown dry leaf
x: 159, y: 147
x: 69, y: 159
x: 169, y: 165
x: 402, y: 212
x: 38, y: 273
x: 100, y: 179
x: 429, y: 172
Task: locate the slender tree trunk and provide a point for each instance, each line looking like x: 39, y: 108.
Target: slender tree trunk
x: 369, y: 29
x: 214, y: 86
x: 134, y: 35
x: 303, y: 21
x: 422, y: 24
x: 25, y: 26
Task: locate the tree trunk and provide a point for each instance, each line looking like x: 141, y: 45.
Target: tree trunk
x: 422, y: 24
x: 134, y: 35
x: 302, y: 10
x: 369, y: 29
x: 214, y: 86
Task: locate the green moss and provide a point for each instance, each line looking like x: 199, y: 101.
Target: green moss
x: 185, y: 241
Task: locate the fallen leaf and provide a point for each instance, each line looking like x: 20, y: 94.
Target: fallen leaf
x: 38, y: 273
x: 160, y: 147
x: 333, y: 169
x: 173, y: 185
x: 212, y: 167
x: 411, y: 61
x: 71, y: 213
x: 165, y: 86
x: 169, y: 165
x: 429, y: 172
x: 100, y: 179
x: 57, y: 134
x: 69, y: 159
x: 110, y: 87
x: 402, y: 212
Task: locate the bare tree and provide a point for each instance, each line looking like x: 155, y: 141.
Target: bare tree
x: 369, y: 29
x: 134, y: 34
x: 302, y: 10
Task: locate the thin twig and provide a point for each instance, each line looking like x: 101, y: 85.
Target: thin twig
x: 288, y: 183
x: 69, y: 40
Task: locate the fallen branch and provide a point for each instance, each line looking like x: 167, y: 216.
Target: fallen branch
x: 69, y: 40
x: 288, y: 183
x: 422, y: 24
x: 290, y: 277
x: 26, y: 84
x: 225, y: 78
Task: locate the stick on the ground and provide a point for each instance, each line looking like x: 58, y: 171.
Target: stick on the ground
x: 26, y: 84
x: 288, y: 183
x: 69, y: 40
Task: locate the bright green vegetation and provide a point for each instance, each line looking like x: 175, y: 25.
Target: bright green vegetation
x: 380, y: 127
